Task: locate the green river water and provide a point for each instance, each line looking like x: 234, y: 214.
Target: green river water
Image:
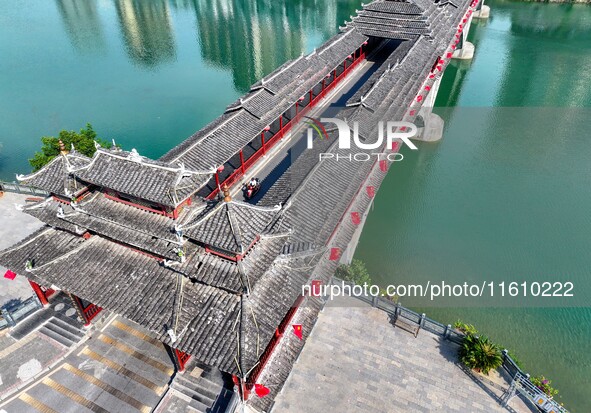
x: 503, y: 196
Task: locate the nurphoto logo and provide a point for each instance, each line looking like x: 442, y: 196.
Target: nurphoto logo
x: 392, y: 131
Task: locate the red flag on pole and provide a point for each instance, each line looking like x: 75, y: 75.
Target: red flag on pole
x: 316, y: 288
x: 335, y: 254
x: 371, y: 191
x: 297, y: 330
x: 261, y: 390
x: 355, y: 218
x: 10, y: 275
x: 383, y: 165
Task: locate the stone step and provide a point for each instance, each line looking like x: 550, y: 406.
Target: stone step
x: 204, y: 397
x: 198, y: 406
x: 66, y: 325
x: 58, y: 329
x: 56, y: 336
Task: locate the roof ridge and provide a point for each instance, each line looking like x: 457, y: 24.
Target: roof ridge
x: 67, y: 254
x: 232, y: 115
x: 234, y: 222
x: 20, y: 177
x: 40, y: 232
x: 80, y: 209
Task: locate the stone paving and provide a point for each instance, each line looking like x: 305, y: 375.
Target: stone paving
x: 119, y: 369
x: 14, y: 226
x: 356, y: 361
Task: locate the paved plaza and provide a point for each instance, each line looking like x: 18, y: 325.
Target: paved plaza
x: 14, y: 226
x: 356, y: 361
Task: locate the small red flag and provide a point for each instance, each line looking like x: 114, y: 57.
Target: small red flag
x: 297, y: 330
x: 383, y: 165
x: 395, y: 145
x: 261, y: 390
x: 316, y: 288
x: 335, y: 254
x: 449, y: 55
x: 412, y: 112
x: 371, y: 191
x: 10, y: 275
x: 355, y: 218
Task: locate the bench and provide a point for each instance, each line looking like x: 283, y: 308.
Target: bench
x: 33, y: 199
x: 407, y: 325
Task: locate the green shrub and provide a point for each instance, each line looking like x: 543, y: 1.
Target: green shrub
x: 355, y: 273
x: 545, y: 385
x: 83, y: 141
x: 480, y: 354
x: 467, y: 329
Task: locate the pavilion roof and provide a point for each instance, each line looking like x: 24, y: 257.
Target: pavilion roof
x: 220, y: 327
x: 56, y: 176
x: 231, y: 226
x: 134, y: 175
x: 41, y: 247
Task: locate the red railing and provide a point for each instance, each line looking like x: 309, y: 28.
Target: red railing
x: 348, y: 65
x: 91, y: 312
x: 252, y: 378
x: 182, y: 358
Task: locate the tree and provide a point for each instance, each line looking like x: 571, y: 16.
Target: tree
x: 480, y: 353
x: 356, y: 273
x: 83, y: 141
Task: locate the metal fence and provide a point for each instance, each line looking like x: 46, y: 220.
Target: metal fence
x: 11, y: 316
x: 21, y: 189
x: 521, y: 382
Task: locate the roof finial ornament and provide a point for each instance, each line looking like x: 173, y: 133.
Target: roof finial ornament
x: 134, y: 156
x: 62, y: 147
x: 226, y: 191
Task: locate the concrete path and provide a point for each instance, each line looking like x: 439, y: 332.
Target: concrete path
x: 356, y: 361
x: 14, y: 226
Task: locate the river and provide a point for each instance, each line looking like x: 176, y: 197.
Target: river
x: 499, y: 198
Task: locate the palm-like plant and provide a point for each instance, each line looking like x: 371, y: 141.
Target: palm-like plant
x: 480, y: 353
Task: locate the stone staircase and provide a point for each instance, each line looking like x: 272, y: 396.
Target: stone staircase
x: 63, y: 329
x: 209, y: 393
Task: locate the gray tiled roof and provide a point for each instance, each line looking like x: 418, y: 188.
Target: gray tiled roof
x: 139, y: 177
x: 55, y: 177
x: 41, y: 247
x: 230, y: 226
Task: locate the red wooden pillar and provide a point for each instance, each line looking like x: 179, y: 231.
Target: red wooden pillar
x: 281, y: 124
x: 311, y: 97
x: 40, y: 294
x: 242, y: 162
x: 297, y: 104
x: 217, y: 180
